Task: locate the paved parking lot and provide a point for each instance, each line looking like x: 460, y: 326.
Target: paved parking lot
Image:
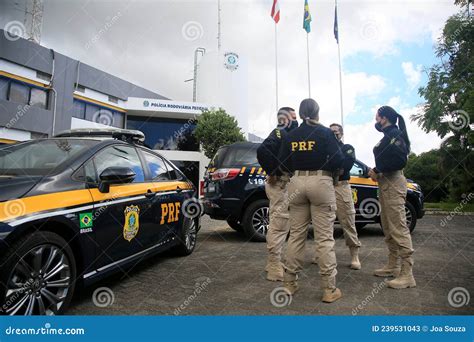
x: 225, y: 276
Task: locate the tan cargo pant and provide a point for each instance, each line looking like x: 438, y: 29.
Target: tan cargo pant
x: 345, y: 213
x: 393, y: 192
x: 312, y: 198
x: 278, y: 227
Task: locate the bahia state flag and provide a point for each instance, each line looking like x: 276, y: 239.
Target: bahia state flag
x: 307, y: 17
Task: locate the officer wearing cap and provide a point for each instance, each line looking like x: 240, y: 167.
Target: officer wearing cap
x: 345, y: 211
x: 390, y: 158
x: 312, y: 153
x: 277, y: 191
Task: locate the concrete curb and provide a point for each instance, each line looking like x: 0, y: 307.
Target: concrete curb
x: 447, y: 213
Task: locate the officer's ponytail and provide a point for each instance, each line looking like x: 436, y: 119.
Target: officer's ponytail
x: 392, y: 116
x: 403, y: 128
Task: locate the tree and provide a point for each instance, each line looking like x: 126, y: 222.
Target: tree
x: 449, y: 106
x: 425, y: 170
x: 216, y: 128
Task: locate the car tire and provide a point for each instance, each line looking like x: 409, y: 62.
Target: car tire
x: 255, y: 220
x: 411, y: 216
x: 360, y: 226
x: 28, y: 267
x: 187, y: 238
x: 235, y: 225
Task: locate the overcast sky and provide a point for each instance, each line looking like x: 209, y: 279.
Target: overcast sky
x: 386, y: 47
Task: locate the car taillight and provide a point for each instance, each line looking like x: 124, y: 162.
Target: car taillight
x: 224, y: 174
x: 201, y: 188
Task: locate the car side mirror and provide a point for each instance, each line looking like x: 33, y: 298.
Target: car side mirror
x: 115, y: 175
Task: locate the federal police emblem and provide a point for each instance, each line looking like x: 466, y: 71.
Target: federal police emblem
x: 132, y: 222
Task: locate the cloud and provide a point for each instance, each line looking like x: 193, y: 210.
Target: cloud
x: 412, y: 73
x: 146, y: 46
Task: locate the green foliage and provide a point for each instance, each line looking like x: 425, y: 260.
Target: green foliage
x: 216, y: 128
x: 449, y: 93
x: 449, y: 111
x: 425, y: 170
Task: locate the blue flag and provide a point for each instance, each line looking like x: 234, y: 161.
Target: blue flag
x: 307, y: 17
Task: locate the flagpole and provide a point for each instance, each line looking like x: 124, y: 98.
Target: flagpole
x: 276, y: 67
x: 307, y: 53
x: 340, y: 71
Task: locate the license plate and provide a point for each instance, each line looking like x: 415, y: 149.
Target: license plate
x: 211, y: 187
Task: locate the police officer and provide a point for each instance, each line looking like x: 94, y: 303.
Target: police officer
x: 311, y: 152
x: 390, y: 158
x: 276, y: 188
x: 345, y: 211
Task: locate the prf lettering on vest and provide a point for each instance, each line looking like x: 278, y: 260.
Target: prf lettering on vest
x: 302, y: 145
x: 171, y: 211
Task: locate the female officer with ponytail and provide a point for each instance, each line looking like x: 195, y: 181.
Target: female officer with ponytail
x: 390, y: 158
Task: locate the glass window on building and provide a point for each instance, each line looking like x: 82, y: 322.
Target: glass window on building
x: 166, y: 134
x: 39, y: 98
x: 119, y: 119
x: 78, y: 109
x: 4, y: 83
x: 19, y: 93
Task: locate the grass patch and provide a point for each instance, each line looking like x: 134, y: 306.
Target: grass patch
x: 448, y: 206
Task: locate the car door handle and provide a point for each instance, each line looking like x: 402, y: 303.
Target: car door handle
x: 178, y: 189
x: 150, y: 194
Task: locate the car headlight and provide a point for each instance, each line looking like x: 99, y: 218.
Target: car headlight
x: 415, y: 186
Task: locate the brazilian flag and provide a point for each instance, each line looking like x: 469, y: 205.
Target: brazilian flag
x: 85, y: 220
x: 307, y: 17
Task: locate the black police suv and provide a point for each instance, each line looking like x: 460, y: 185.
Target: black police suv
x: 80, y: 206
x: 234, y: 190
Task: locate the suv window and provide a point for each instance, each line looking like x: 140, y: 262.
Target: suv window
x: 119, y: 156
x: 235, y: 156
x: 357, y: 170
x: 157, y: 167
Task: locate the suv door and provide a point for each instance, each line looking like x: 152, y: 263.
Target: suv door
x: 121, y: 217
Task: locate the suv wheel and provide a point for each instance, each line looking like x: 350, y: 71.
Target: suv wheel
x: 235, y: 225
x: 411, y: 216
x: 38, y: 276
x: 255, y: 220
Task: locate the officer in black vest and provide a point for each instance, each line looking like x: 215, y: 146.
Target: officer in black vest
x: 276, y: 188
x: 312, y: 153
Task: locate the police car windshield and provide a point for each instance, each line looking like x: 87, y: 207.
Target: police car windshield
x: 41, y: 157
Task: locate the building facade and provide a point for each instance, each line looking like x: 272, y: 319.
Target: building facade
x: 43, y: 92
